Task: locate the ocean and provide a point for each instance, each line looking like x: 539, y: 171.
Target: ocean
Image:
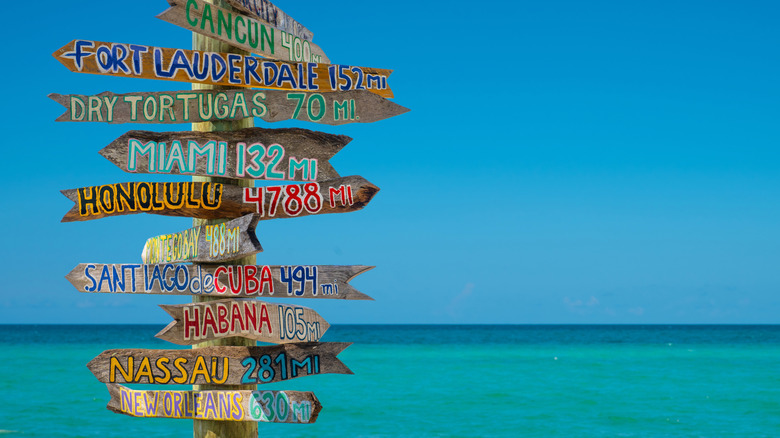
x: 442, y: 380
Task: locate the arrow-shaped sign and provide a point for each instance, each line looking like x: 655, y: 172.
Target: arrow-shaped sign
x: 267, y: 406
x: 291, y: 154
x: 207, y: 200
x: 230, y: 69
x: 252, y: 319
x: 205, y: 244
x: 193, y: 106
x: 219, y: 365
x: 241, y: 31
x: 220, y: 281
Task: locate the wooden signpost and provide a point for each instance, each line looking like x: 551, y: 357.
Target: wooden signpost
x: 224, y: 155
x: 268, y: 12
x: 219, y: 365
x: 266, y: 406
x: 205, y: 244
x: 241, y: 31
x: 220, y: 281
x: 193, y: 106
x: 216, y: 68
x: 208, y: 200
x: 251, y: 319
x: 291, y: 154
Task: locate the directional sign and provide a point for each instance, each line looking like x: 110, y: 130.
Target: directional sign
x: 291, y: 154
x: 241, y: 31
x: 266, y: 11
x: 220, y: 281
x: 252, y: 319
x: 137, y: 61
x: 219, y: 365
x: 208, y: 200
x: 206, y: 244
x: 266, y: 406
x: 193, y: 106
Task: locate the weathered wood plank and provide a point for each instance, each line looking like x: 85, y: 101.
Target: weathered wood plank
x: 216, y: 68
x: 219, y: 365
x: 214, y: 200
x: 241, y: 31
x: 268, y: 12
x: 220, y: 281
x: 205, y: 244
x: 195, y: 106
x: 266, y: 322
x: 266, y: 406
x: 290, y: 154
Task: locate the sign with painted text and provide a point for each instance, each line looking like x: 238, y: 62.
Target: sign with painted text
x: 205, y: 244
x: 220, y: 281
x: 290, y: 154
x: 209, y: 200
x: 227, y: 69
x: 194, y: 106
x: 265, y: 322
x: 219, y: 365
x: 266, y: 406
x: 268, y: 12
x: 240, y: 31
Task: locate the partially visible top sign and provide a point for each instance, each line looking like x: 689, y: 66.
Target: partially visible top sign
x: 209, y: 200
x: 240, y: 31
x: 252, y: 319
x: 231, y: 69
x: 193, y: 106
x: 287, y: 154
x: 205, y: 244
x: 268, y: 12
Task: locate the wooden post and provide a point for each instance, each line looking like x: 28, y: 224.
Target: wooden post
x: 210, y: 428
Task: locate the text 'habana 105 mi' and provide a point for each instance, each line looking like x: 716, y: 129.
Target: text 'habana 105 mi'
x: 206, y: 200
x: 230, y: 69
x: 265, y: 322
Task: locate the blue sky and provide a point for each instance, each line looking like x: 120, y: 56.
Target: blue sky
x: 563, y: 162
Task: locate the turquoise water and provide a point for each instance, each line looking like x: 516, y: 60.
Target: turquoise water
x: 536, y: 381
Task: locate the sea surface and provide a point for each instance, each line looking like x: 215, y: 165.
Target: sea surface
x: 434, y: 380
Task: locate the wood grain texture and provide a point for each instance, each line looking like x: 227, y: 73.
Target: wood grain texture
x: 288, y: 154
x: 268, y: 12
x: 220, y: 281
x: 241, y: 405
x: 208, y: 200
x: 217, y: 68
x: 205, y: 244
x: 219, y: 365
x: 194, y: 106
x: 251, y: 319
x: 241, y: 31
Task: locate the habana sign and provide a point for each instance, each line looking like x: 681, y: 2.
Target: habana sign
x: 208, y: 200
x: 266, y: 406
x: 290, y: 154
x: 241, y: 31
x: 266, y: 322
x: 205, y: 244
x: 220, y: 281
x: 194, y: 106
x: 228, y: 69
x: 219, y: 365
x: 269, y: 13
